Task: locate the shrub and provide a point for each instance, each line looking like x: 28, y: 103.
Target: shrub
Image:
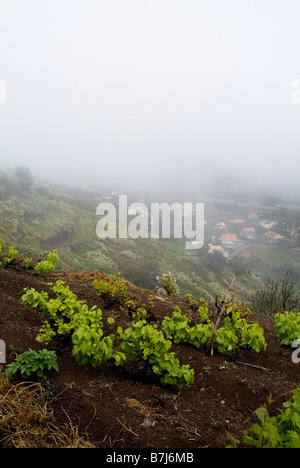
x: 72, y: 317
x: 282, y: 431
x: 287, y: 327
x: 32, y: 362
x: 26, y: 263
x: 2, y: 245
x: 168, y: 282
x: 112, y: 290
x: 48, y: 265
x: 144, y: 341
x: 236, y: 334
x: 12, y: 253
x: 277, y: 296
x: 136, y: 311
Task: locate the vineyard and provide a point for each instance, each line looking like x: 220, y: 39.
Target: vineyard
x: 128, y: 367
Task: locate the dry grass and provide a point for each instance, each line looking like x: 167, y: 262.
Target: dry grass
x: 26, y: 421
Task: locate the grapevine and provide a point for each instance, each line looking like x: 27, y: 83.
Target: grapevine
x: 66, y: 315
x: 236, y: 334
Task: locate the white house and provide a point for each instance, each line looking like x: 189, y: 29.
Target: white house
x: 267, y: 224
x: 248, y: 233
x: 217, y: 249
x: 197, y: 244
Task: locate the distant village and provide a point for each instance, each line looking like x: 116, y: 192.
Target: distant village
x: 231, y: 237
x: 236, y: 235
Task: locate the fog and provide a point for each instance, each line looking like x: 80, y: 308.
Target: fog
x: 152, y: 94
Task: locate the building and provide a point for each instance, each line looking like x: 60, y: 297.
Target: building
x: 248, y: 233
x: 268, y: 224
x: 197, y: 244
x: 217, y: 249
x: 228, y: 240
x: 272, y: 236
x: 236, y: 221
x: 221, y: 225
x: 252, y: 216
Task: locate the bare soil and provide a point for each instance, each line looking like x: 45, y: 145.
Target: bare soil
x: 128, y: 407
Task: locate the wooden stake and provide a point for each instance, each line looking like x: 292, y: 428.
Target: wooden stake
x: 223, y: 310
x: 252, y: 365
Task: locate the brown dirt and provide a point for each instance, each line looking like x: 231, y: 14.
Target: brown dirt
x: 113, y: 406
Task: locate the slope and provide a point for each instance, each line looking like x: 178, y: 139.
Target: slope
x: 128, y: 407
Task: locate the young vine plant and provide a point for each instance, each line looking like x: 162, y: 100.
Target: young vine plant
x: 287, y: 327
x: 9, y: 257
x: 235, y: 334
x: 66, y: 315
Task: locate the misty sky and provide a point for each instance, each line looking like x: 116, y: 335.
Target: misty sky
x: 146, y: 93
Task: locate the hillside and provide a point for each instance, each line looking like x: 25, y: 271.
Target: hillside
x: 44, y: 218
x: 149, y: 227
x: 127, y: 406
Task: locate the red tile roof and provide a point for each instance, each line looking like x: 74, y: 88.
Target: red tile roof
x: 228, y: 237
x: 236, y: 221
x: 272, y: 235
x: 216, y: 247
